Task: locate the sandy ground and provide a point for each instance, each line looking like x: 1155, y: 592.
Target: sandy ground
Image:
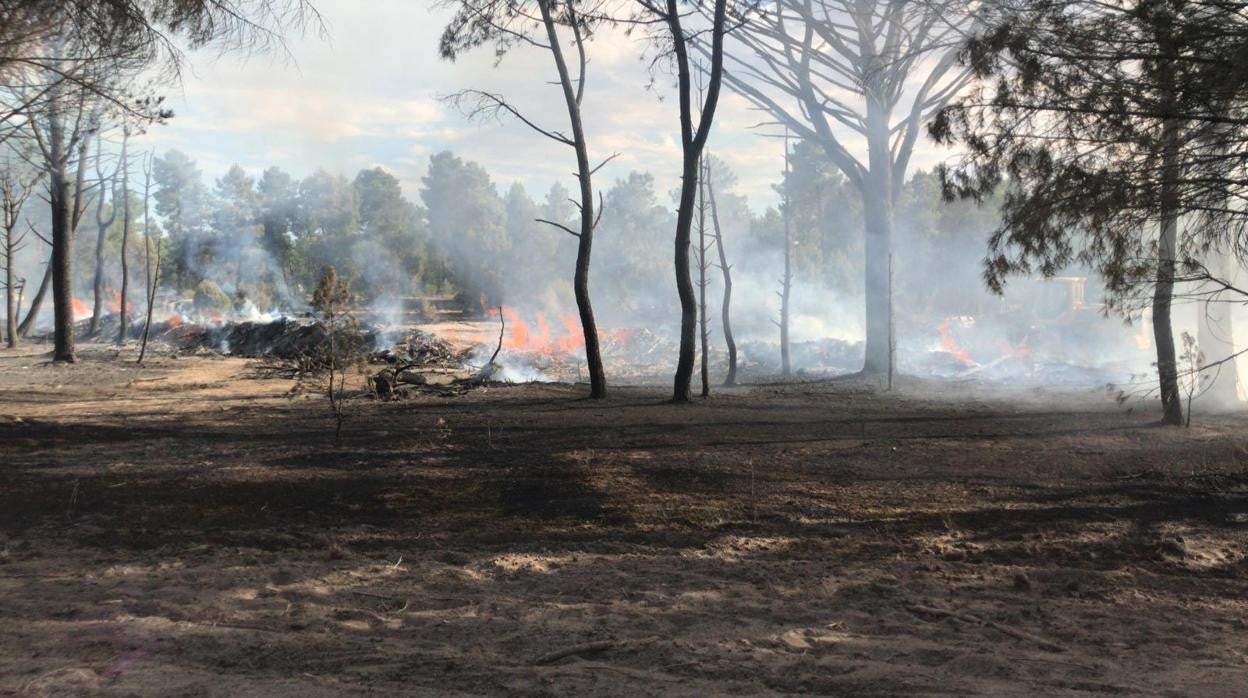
x: 191, y: 528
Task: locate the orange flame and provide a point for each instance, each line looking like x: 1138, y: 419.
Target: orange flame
x: 80, y: 309
x: 537, y: 337
x: 113, y: 304
x: 1022, y: 350
x: 573, y: 338
x: 174, y: 320
x: 949, y: 345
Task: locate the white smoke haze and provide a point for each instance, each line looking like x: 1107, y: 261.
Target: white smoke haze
x: 495, y: 254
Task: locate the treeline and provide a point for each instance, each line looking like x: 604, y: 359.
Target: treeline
x: 267, y: 238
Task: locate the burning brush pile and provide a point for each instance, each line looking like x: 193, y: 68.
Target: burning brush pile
x: 307, y: 339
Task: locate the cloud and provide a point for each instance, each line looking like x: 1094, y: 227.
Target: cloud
x: 372, y: 95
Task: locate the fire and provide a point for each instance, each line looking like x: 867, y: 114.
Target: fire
x: 949, y: 345
x: 80, y: 309
x: 573, y: 339
x: 537, y: 336
x: 113, y: 304
x: 1022, y: 350
x: 174, y: 320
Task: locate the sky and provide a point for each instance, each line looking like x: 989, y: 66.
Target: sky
x: 371, y: 93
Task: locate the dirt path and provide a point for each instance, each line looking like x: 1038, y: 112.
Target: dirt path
x: 187, y: 528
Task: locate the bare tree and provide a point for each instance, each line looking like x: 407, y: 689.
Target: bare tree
x: 104, y: 184
x: 704, y: 330
x: 726, y: 269
x: 837, y: 72
x: 15, y: 188
x: 123, y: 315
x: 76, y: 91
x: 678, y: 43
x: 506, y: 24
x: 786, y: 281
x: 151, y: 262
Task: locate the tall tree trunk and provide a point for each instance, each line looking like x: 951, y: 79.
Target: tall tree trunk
x: 1163, y: 334
x: 97, y: 284
x: 36, y: 303
x: 705, y: 373
x: 877, y: 199
x: 684, y: 282
x: 103, y: 224
x: 122, y: 310
x: 580, y: 280
x: 1163, y: 291
x: 786, y: 283
x: 693, y: 140
x: 10, y: 297
x: 152, y: 275
x: 1167, y: 243
x: 726, y: 269
x: 62, y: 248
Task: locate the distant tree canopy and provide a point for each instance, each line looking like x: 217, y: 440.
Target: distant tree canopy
x: 266, y: 239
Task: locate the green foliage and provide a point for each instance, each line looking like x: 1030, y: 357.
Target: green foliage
x: 209, y: 299
x: 467, y: 221
x: 331, y: 294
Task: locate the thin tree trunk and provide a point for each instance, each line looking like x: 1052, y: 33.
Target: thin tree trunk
x: 152, y: 276
x: 706, y: 374
x: 786, y: 283
x: 878, y: 213
x: 10, y: 316
x: 692, y: 142
x: 584, y: 249
x: 12, y: 209
x: 36, y: 303
x: 726, y: 269
x: 122, y: 310
x: 103, y: 224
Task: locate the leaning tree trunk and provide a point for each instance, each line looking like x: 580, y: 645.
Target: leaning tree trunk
x: 585, y: 239
x: 36, y: 303
x: 726, y: 269
x: 877, y: 202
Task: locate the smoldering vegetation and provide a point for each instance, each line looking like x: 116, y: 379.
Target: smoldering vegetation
x: 248, y: 249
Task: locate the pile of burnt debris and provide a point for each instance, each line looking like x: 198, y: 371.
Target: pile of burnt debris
x: 307, y: 339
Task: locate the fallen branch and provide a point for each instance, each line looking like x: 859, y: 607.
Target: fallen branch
x: 1012, y: 632
x: 584, y: 648
x: 502, y: 327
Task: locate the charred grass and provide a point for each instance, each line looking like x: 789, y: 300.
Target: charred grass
x: 781, y: 539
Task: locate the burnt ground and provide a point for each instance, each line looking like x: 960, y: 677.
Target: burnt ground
x: 189, y: 528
